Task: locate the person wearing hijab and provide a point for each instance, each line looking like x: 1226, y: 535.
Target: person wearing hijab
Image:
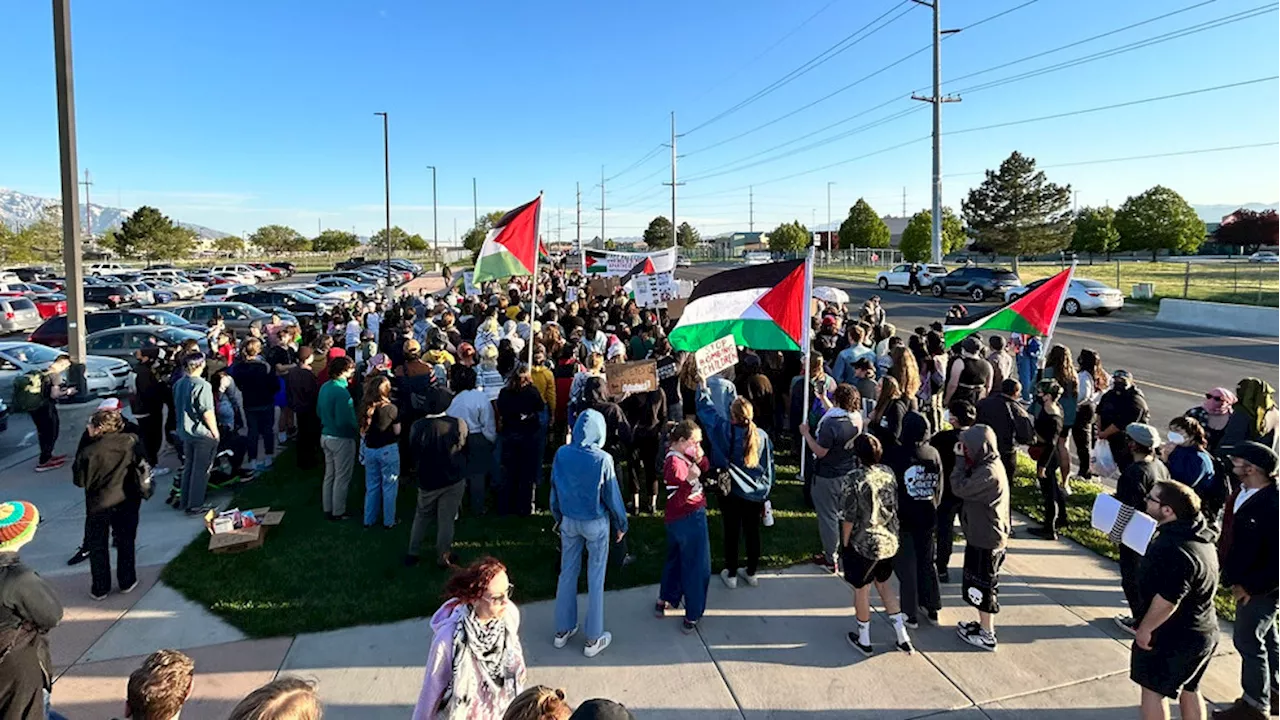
x: 1254, y: 416
x: 1213, y: 414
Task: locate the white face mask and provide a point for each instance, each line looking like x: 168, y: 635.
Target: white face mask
x: 1176, y: 437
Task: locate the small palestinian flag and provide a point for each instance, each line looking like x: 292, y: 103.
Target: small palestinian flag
x: 597, y: 262
x: 762, y: 306
x: 1031, y: 314
x: 511, y: 247
x: 543, y: 255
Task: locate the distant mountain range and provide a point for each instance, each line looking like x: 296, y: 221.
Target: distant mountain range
x: 18, y: 210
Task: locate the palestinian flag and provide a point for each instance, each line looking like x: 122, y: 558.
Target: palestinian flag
x: 511, y: 247
x: 543, y: 255
x: 1034, y: 313
x: 596, y: 262
x: 762, y: 306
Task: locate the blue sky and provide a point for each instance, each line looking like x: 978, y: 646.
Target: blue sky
x: 238, y: 114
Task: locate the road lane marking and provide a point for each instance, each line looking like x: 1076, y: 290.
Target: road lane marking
x: 1180, y: 391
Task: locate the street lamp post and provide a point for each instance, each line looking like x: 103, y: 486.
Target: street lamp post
x: 435, y: 216
x: 386, y: 168
x: 830, y: 237
x: 72, y: 237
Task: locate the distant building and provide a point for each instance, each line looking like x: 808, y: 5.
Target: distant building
x: 734, y: 244
x: 896, y: 226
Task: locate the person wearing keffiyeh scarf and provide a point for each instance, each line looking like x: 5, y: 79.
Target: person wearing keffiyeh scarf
x: 475, y: 665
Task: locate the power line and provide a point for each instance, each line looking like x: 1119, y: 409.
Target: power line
x: 999, y: 15
x: 652, y: 153
x: 1152, y: 156
x: 1115, y: 106
x: 847, y: 42
x: 635, y: 183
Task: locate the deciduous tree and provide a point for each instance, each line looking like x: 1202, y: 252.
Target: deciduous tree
x: 1095, y: 231
x: 476, y: 235
x: 917, y: 237
x: 863, y: 228
x: 335, y: 241
x: 42, y: 239
x: 789, y: 237
x: 1017, y: 211
x: 658, y: 235
x: 1159, y: 219
x: 1248, y: 229
x: 279, y: 238
x: 231, y: 244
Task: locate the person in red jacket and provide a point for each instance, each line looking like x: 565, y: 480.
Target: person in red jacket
x: 688, y: 567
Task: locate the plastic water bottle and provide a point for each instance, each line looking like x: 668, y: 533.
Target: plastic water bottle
x: 768, y: 514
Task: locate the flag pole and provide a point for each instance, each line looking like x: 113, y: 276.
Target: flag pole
x: 533, y: 286
x: 806, y: 341
x: 1053, y: 324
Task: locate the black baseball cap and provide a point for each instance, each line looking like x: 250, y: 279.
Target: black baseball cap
x: 1257, y: 454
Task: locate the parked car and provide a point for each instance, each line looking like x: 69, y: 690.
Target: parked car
x: 288, y: 268
x: 18, y: 314
x: 158, y: 292
x: 104, y: 376
x: 143, y: 293
x: 1262, y: 256
x: 111, y: 296
x: 354, y: 276
x: 30, y: 274
x: 338, y: 292
x: 222, y: 292
x: 4, y: 416
x: 105, y: 268
x: 53, y: 332
x: 200, y: 275
x: 900, y: 275
x: 354, y: 262
x: 363, y: 290
x: 1083, y: 295
x: 683, y: 262
x: 271, y: 270
x: 121, y: 343
x: 239, y: 273
x: 237, y: 315
x: 164, y: 317
x: 292, y: 303
x: 976, y: 283
x: 180, y: 289
x: 47, y: 304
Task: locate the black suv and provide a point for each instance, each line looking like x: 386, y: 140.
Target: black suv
x: 113, y: 296
x: 263, y: 299
x: 53, y: 332
x: 976, y: 283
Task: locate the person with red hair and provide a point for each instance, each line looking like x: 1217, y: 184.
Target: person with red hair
x: 475, y: 667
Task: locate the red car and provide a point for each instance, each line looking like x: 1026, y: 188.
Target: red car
x: 48, y: 304
x: 275, y: 271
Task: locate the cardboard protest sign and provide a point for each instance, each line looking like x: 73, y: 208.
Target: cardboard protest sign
x: 631, y: 377
x: 676, y: 307
x: 602, y: 286
x: 717, y: 356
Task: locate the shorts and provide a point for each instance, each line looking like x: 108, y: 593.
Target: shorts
x: 861, y: 572
x: 1171, y: 667
x: 981, y: 584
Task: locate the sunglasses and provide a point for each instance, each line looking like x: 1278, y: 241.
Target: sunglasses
x: 1155, y: 500
x: 1211, y: 396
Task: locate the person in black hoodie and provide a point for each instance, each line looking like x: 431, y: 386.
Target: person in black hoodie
x: 258, y: 384
x: 1123, y: 404
x: 109, y: 468
x: 962, y: 418
x: 1008, y: 420
x: 29, y: 609
x: 301, y: 392
x: 918, y: 468
x: 1049, y: 422
x: 148, y: 402
x: 1249, y: 567
x: 1177, y: 580
x: 648, y: 413
x: 1132, y: 488
x: 439, y: 446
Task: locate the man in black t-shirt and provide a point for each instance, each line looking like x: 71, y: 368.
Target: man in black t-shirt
x: 1178, y: 578
x: 1131, y: 489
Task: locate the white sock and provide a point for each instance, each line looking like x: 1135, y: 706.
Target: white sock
x: 864, y: 632
x: 900, y: 627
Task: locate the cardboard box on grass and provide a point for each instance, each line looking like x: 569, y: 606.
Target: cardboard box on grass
x: 234, y: 541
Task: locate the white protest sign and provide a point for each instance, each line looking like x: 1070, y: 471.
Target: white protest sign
x: 468, y: 283
x: 717, y: 356
x: 654, y: 290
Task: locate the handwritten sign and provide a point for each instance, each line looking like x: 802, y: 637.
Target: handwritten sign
x: 655, y: 290
x: 631, y: 377
x: 717, y: 356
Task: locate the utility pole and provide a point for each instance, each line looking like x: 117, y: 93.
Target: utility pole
x: 675, y: 233
x: 386, y: 169
x: 602, y: 206
x: 830, y: 235
x: 475, y: 204
x: 88, y: 207
x: 937, y: 99
x: 72, y: 242
x: 435, y: 216
x: 751, y: 209
x: 904, y: 201
x: 582, y: 256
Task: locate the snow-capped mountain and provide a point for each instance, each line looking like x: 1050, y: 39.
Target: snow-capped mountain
x: 18, y: 210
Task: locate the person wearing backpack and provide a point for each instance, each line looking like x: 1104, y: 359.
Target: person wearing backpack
x: 37, y: 393
x: 111, y: 468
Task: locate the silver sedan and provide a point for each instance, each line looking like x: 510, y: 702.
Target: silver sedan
x: 1084, y: 295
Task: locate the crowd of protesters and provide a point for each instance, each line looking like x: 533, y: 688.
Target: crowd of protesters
x: 901, y: 436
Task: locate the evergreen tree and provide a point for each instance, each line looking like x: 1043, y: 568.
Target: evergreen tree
x: 1017, y: 211
x: 863, y: 228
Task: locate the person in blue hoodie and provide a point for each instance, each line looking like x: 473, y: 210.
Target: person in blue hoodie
x: 746, y: 453
x: 585, y: 497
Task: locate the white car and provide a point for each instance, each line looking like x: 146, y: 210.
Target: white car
x: 683, y: 262
x: 336, y: 292
x: 900, y: 275
x: 109, y: 268
x: 757, y: 258
x: 181, y: 289
x: 104, y: 376
x: 1262, y: 256
x: 219, y: 293
x: 244, y: 273
x: 1084, y: 295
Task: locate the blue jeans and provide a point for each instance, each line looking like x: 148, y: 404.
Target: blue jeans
x: 381, y: 483
x: 574, y: 534
x: 260, y: 422
x: 1026, y: 375
x: 688, y: 567
x: 1255, y: 639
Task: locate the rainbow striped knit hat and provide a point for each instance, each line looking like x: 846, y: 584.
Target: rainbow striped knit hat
x: 18, y: 521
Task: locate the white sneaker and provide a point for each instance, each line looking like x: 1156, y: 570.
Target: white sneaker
x: 730, y: 581
x: 282, y: 437
x: 751, y: 579
x: 562, y: 639
x: 593, y: 649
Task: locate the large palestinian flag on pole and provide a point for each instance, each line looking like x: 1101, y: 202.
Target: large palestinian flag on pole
x: 1035, y: 313
x: 762, y: 306
x: 511, y: 247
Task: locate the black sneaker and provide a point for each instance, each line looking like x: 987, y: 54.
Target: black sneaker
x: 1126, y: 623
x: 979, y: 639
x: 853, y: 640
x: 971, y: 626
x: 932, y: 615
x: 905, y: 647
x: 944, y: 577
x: 688, y: 627
x: 912, y: 623
x: 80, y: 556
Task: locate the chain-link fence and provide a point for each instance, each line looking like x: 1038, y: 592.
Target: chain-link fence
x: 1242, y: 283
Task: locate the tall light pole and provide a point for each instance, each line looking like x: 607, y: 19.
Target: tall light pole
x: 830, y: 237
x: 475, y: 205
x: 71, y: 237
x: 386, y: 168
x: 435, y: 215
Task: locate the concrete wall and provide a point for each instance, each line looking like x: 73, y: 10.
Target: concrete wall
x: 1225, y: 317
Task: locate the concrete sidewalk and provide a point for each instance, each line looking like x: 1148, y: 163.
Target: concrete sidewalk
x: 775, y: 651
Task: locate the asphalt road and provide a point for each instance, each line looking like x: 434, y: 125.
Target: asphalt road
x: 1173, y: 366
